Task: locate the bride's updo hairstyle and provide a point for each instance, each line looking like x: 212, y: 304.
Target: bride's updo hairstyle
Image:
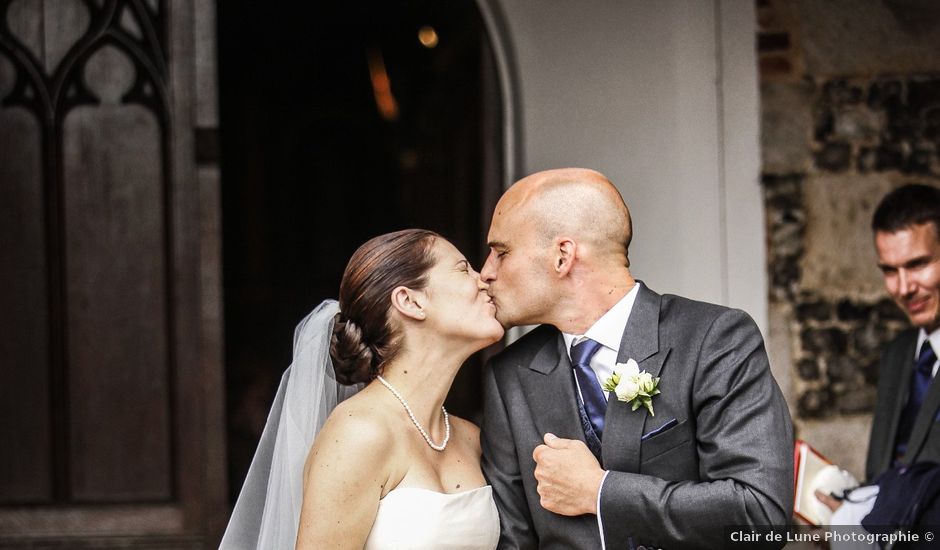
x: 364, y: 339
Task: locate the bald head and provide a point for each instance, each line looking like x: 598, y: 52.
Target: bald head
x: 558, y: 250
x: 575, y: 202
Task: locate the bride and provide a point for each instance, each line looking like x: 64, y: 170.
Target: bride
x: 389, y: 468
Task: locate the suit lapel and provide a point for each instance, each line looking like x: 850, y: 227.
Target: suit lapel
x: 904, y: 361
x: 640, y: 342
x: 925, y: 419
x: 552, y: 398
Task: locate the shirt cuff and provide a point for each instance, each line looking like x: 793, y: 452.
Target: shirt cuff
x: 600, y: 522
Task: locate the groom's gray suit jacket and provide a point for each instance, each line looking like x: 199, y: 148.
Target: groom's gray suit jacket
x: 725, y: 460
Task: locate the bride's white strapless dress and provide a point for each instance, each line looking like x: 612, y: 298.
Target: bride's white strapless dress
x: 421, y: 519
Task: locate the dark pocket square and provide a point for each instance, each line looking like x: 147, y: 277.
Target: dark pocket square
x: 656, y: 431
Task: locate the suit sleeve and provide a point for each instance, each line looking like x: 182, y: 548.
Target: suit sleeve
x: 501, y: 469
x: 744, y: 442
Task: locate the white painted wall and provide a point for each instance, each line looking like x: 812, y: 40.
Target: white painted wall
x: 662, y: 97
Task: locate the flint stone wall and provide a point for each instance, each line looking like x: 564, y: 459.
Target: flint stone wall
x: 850, y: 95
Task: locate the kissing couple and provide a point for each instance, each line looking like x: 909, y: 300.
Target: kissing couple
x: 626, y: 419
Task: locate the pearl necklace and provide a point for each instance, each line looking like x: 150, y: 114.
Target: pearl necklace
x: 427, y: 437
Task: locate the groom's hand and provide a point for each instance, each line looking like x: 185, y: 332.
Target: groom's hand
x: 568, y: 475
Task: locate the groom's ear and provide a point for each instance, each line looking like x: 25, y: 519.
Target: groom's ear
x: 408, y: 302
x: 565, y: 254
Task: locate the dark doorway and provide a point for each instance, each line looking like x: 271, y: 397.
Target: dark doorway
x: 341, y: 121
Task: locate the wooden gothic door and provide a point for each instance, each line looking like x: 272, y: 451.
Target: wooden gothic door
x: 110, y: 388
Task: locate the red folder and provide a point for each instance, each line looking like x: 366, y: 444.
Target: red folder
x: 807, y: 463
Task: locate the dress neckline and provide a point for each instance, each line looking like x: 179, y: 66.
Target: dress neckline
x: 433, y: 492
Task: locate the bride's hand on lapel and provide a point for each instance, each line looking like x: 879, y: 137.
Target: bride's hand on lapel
x: 568, y: 475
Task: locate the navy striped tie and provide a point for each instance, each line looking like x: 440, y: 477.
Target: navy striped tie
x: 592, y: 396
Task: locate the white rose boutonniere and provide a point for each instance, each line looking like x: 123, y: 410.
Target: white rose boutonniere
x: 633, y: 386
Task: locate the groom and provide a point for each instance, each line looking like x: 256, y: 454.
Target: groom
x: 575, y: 467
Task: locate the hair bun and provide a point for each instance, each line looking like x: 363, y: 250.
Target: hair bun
x: 363, y: 339
x: 353, y: 359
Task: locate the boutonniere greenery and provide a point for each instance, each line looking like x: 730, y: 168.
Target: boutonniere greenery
x: 632, y: 386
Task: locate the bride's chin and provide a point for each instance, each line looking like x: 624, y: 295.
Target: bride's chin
x: 488, y: 340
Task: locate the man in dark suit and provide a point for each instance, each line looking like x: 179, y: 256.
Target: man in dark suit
x: 575, y: 466
x: 906, y: 225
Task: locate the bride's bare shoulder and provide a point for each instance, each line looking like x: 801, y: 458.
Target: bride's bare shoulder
x: 467, y: 431
x: 358, y: 422
x: 356, y: 438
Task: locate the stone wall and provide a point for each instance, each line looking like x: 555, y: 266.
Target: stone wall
x: 850, y: 94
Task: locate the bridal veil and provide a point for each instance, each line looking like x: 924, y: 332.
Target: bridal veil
x: 267, y: 512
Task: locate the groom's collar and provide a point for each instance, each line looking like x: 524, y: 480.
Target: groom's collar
x: 608, y: 330
x: 551, y: 355
x: 641, y: 337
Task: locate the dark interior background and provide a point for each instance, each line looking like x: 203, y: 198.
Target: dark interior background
x: 311, y: 168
